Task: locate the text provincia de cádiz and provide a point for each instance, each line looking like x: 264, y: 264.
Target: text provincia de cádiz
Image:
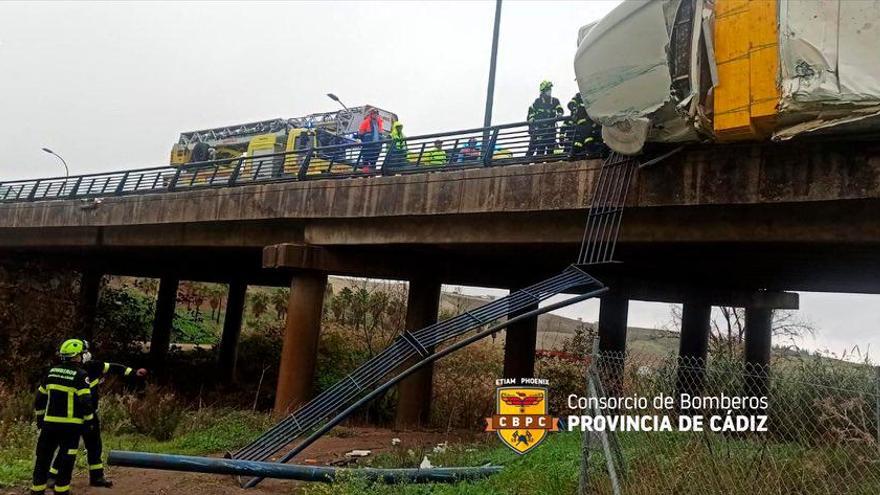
x: 726, y: 413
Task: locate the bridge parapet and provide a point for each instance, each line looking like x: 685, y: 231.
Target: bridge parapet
x: 701, y: 176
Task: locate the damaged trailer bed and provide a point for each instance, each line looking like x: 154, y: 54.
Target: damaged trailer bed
x: 728, y: 70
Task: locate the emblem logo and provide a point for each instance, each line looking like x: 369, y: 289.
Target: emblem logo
x: 521, y: 419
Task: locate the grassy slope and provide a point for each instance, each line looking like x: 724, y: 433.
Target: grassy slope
x: 656, y: 463
x: 551, y: 469
x: 203, y: 432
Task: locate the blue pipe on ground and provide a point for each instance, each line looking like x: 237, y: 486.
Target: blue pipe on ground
x: 324, y: 474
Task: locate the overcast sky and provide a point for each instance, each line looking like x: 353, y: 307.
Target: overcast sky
x: 111, y: 85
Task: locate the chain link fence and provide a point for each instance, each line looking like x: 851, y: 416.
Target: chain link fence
x: 805, y: 425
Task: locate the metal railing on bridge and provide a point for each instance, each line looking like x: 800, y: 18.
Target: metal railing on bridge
x: 482, y: 147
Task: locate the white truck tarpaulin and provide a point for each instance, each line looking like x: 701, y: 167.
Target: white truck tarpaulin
x: 829, y: 57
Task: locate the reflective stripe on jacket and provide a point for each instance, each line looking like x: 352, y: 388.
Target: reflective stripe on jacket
x: 543, y: 108
x: 64, y: 396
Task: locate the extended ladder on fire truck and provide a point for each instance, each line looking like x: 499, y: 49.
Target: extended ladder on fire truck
x: 376, y: 375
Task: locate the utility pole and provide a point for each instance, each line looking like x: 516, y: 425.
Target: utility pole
x: 490, y: 92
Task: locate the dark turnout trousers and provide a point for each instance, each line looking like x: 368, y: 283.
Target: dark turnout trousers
x: 65, y: 439
x: 91, y: 435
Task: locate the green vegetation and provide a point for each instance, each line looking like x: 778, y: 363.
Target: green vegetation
x: 655, y: 463
x: 129, y: 423
x: 188, y: 328
x: 551, y: 469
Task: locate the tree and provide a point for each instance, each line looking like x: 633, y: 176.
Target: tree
x: 728, y: 326
x: 149, y: 286
x: 580, y: 344
x: 373, y: 313
x: 259, y: 303
x: 279, y: 298
x: 198, y: 295
x: 216, y: 293
x: 185, y: 294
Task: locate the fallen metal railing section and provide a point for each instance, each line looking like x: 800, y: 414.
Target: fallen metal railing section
x: 410, y: 344
x: 151, y: 461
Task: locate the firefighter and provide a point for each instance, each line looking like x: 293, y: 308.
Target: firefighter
x: 581, y: 126
x: 201, y: 151
x: 62, y: 406
x: 586, y: 135
x: 542, y: 135
x: 91, y: 433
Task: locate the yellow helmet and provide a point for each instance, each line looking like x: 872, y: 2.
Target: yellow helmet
x: 545, y: 85
x: 72, y: 348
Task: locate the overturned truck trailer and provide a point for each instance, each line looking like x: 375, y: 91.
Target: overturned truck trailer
x: 727, y: 70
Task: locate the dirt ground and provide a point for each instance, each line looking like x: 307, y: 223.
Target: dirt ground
x: 324, y: 451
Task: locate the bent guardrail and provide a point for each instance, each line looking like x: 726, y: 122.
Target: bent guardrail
x: 507, y: 144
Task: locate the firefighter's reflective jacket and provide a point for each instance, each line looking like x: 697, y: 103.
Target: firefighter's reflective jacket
x: 544, y: 108
x: 97, y: 370
x: 64, y: 395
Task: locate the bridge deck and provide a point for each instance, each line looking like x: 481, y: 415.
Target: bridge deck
x: 781, y: 209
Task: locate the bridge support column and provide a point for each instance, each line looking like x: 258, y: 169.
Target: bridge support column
x: 89, y: 292
x: 300, y: 349
x: 693, y: 348
x: 414, y: 392
x: 520, y: 341
x: 758, y: 330
x: 161, y: 340
x: 613, y: 313
x: 231, y: 331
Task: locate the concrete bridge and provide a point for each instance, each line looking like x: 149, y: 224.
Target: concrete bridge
x: 730, y: 225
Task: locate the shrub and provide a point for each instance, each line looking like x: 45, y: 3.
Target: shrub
x: 157, y: 414
x: 114, y: 413
x: 259, y: 354
x: 566, y: 377
x: 124, y: 319
x: 16, y: 412
x: 16, y: 404
x: 464, y: 385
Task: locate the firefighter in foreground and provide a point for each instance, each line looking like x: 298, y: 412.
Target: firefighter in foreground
x: 63, y: 405
x: 91, y: 432
x: 542, y: 135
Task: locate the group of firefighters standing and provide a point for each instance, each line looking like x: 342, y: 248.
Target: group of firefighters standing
x: 578, y: 137
x: 66, y: 407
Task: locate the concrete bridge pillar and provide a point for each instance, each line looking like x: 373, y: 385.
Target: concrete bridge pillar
x: 613, y: 313
x: 520, y: 341
x: 89, y: 292
x: 231, y: 331
x: 758, y: 330
x: 296, y: 372
x: 693, y: 347
x: 414, y: 392
x: 165, y: 305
